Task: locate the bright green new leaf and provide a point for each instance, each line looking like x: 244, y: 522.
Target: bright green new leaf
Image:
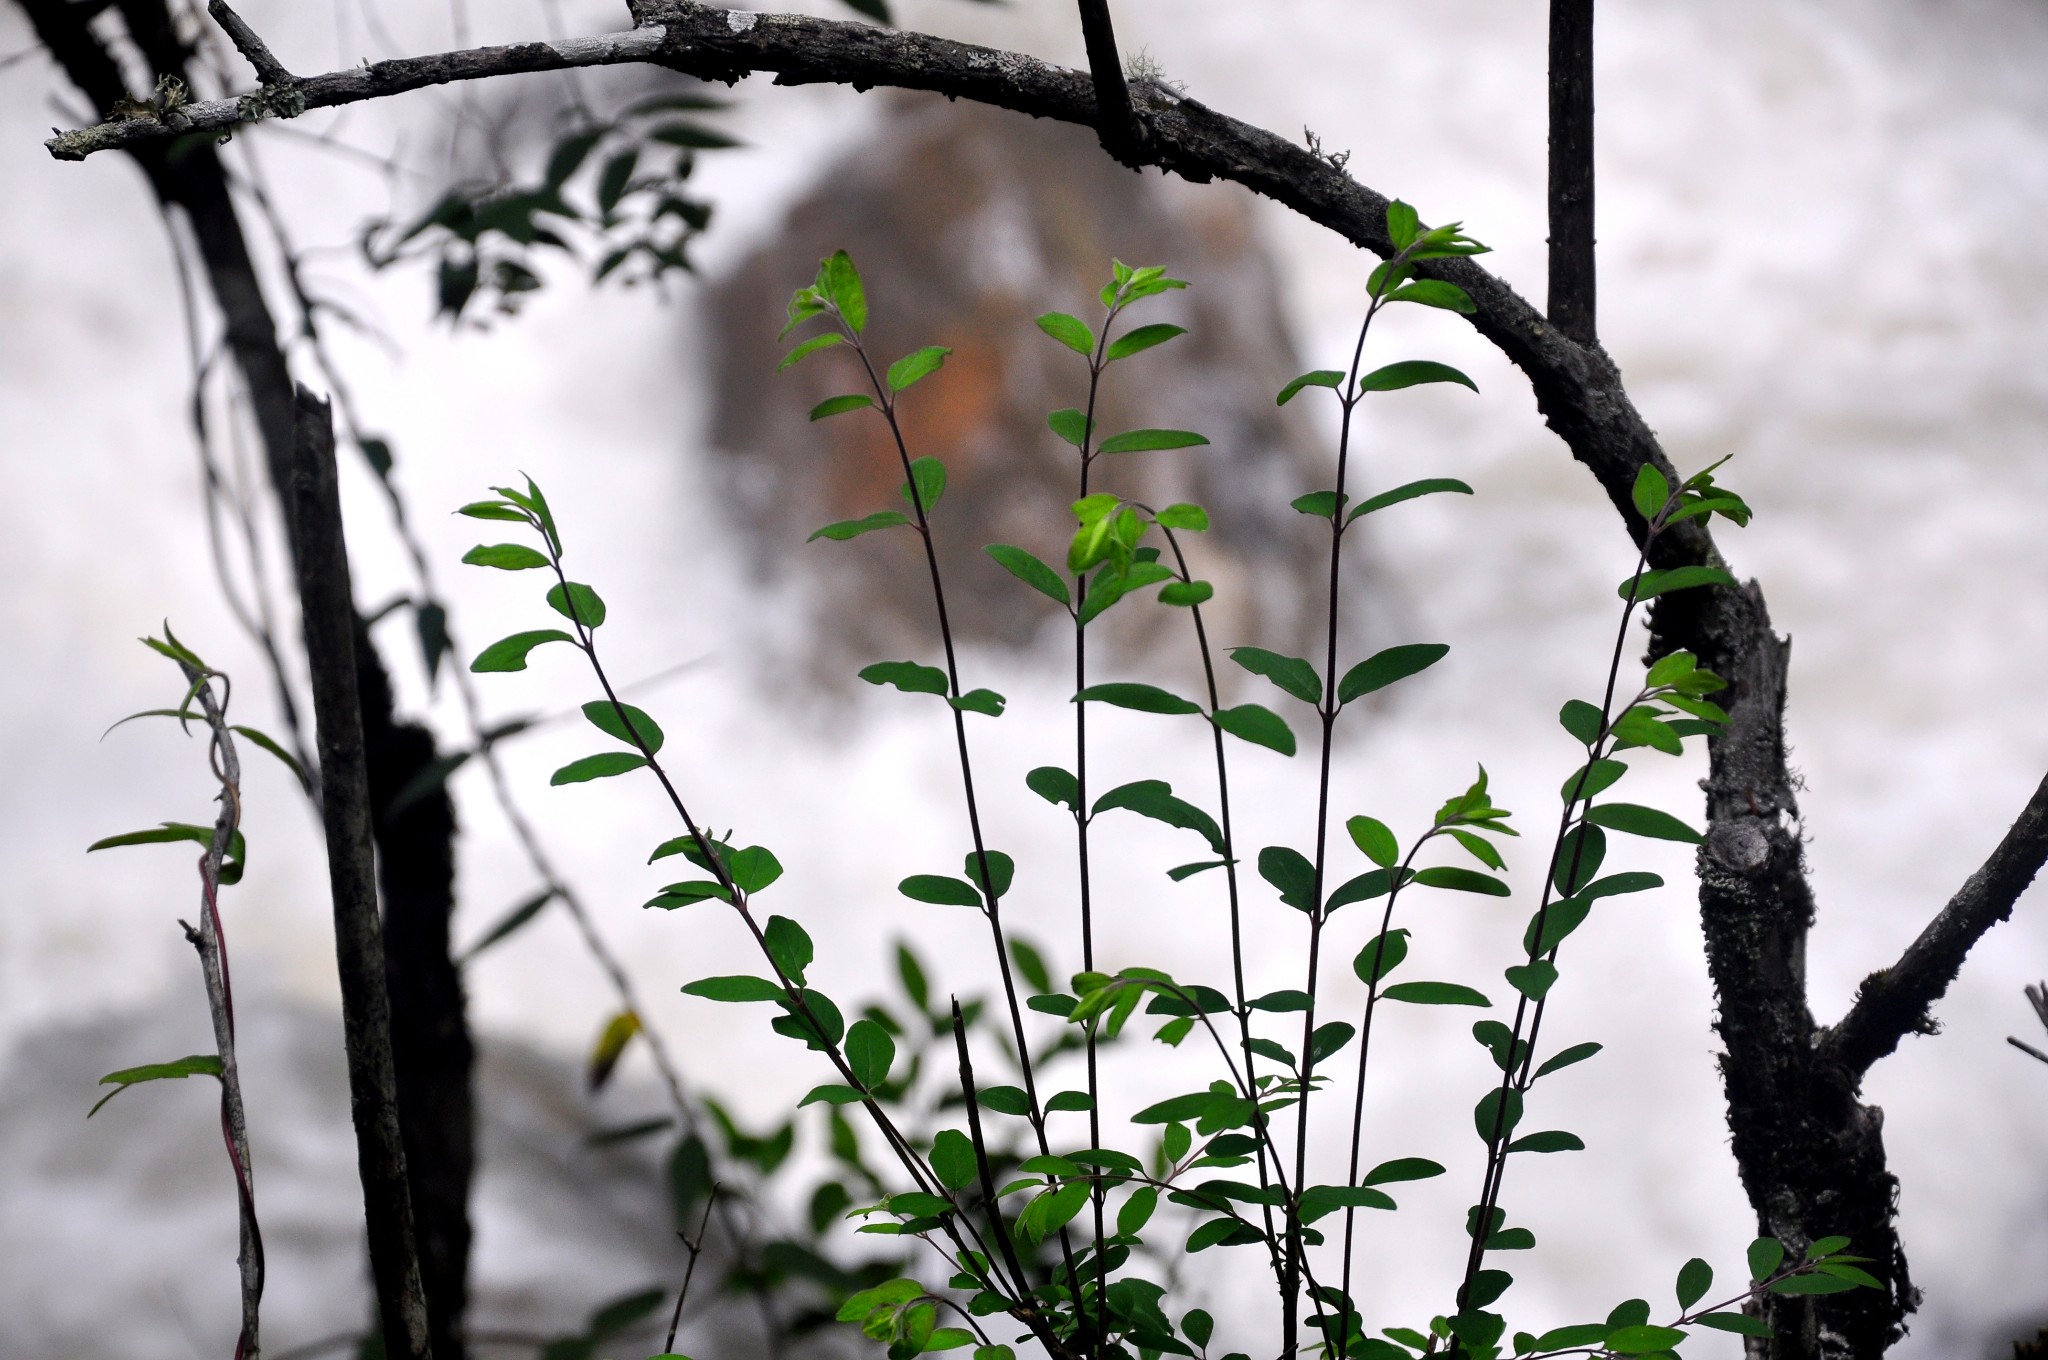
x: 1640, y: 727
x: 1146, y: 441
x: 1031, y: 571
x: 1258, y: 725
x: 1402, y: 225
x: 840, y: 283
x: 1642, y: 821
x: 1322, y: 377
x: 601, y: 766
x: 626, y: 723
x: 493, y: 510
x: 1384, y: 668
x: 1320, y: 504
x: 509, y: 654
x: 908, y: 676
x: 1290, y: 673
x: 168, y: 833
x: 1137, y: 697
x: 1069, y: 331
x: 197, y: 1065
x: 928, y: 476
x: 1651, y: 491
x: 1580, y: 719
x: 810, y: 347
x: 1069, y: 425
x: 1143, y: 338
x: 917, y: 364
x: 853, y: 528
x: 1182, y: 515
x: 1187, y: 594
x: 1412, y: 373
x: 753, y: 869
x: 1435, y: 293
x: 505, y: 556
x: 939, y: 890
x: 833, y: 406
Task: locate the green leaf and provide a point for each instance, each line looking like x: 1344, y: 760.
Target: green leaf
x: 735, y: 988
x: 1181, y: 515
x: 953, y: 1156
x: 1651, y: 491
x: 610, y: 1047
x: 1695, y: 1277
x: 1177, y: 1109
x: 1402, y: 225
x: 1384, y: 668
x: 1598, y: 776
x: 1813, y: 1284
x: 1407, y: 491
x: 1481, y: 849
x: 1550, y: 1140
x: 908, y: 676
x: 825, y: 340
x: 1322, y: 377
x: 833, y: 406
x: 1642, y: 821
x: 929, y: 477
x: 1005, y: 1100
x: 921, y: 363
x: 1533, y: 979
x: 1140, y: 698
x: 1187, y: 594
x: 939, y: 890
x: 1491, y: 1114
x: 508, y: 923
x: 1651, y: 584
x: 1320, y: 504
x: 623, y: 722
x: 753, y: 869
x: 980, y: 701
x: 1069, y: 425
x: 1320, y: 1200
x: 1143, y: 338
x: 1640, y: 727
x: 840, y: 282
x: 1462, y: 880
x: 1766, y: 1254
x: 589, y: 609
x: 831, y: 1093
x: 853, y: 528
x: 1825, y: 1246
x: 677, y: 895
x: 1643, y: 1340
x: 1154, y: 798
x: 1738, y: 1323
x: 1145, y: 441
x: 1435, y: 994
x: 1577, y: 1053
x: 168, y: 833
x: 1579, y: 853
x: 1055, y: 786
x: 505, y: 556
x: 197, y: 1065
x: 1412, y: 373
x: 1069, y: 331
x: 1031, y: 571
x: 494, y: 510
x: 1363, y: 888
x: 1381, y: 956
x: 1376, y: 839
x: 1402, y: 1169
x: 1076, y: 1102
x: 1290, y: 872
x: 1290, y: 673
x: 1620, y: 883
x: 870, y: 1052
x: 1435, y: 293
x: 613, y: 180
x: 1258, y: 725
x: 1002, y: 870
x: 1581, y: 720
x: 1198, y: 1327
x: 601, y: 766
x: 509, y: 654
x: 269, y: 743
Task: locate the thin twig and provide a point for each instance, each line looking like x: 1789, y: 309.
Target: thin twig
x: 695, y: 1248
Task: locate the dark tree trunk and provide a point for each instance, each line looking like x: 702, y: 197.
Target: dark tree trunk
x: 1571, y: 169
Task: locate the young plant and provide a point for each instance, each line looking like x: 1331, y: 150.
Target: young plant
x: 1086, y: 1293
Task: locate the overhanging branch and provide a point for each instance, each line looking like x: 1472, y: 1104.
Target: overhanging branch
x: 1895, y: 1001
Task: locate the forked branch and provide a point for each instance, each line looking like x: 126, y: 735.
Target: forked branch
x: 1894, y: 1002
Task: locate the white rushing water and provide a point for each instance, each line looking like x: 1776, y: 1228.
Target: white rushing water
x: 1821, y: 253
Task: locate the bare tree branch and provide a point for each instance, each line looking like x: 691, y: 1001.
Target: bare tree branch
x: 269, y: 69
x: 1123, y: 136
x: 1894, y: 1002
x: 1571, y: 168
x: 330, y: 623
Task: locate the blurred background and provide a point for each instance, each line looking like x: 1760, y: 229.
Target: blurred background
x: 1820, y: 254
